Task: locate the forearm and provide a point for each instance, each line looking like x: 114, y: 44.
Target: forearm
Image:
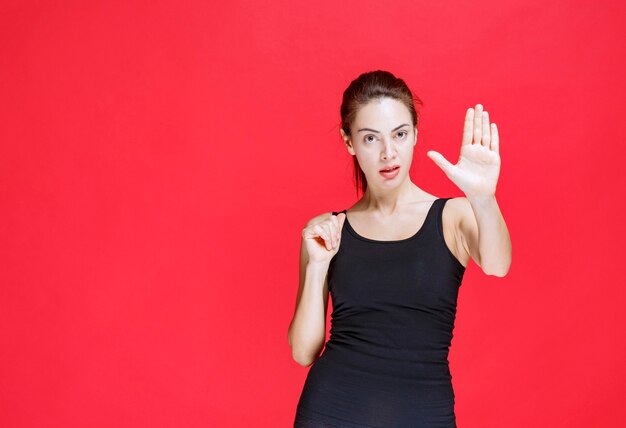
x: 494, y: 242
x: 307, y: 331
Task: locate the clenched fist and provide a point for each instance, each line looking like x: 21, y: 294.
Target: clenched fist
x: 323, y: 237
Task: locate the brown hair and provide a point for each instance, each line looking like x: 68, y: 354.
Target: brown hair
x: 365, y: 88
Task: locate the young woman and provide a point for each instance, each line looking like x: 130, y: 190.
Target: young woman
x: 393, y: 263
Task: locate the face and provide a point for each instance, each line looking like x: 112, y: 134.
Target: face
x: 382, y: 136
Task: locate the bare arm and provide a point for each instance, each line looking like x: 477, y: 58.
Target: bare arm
x: 485, y: 235
x: 307, y: 330
x: 483, y: 230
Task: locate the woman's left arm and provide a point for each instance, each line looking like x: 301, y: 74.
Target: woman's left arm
x: 485, y: 235
x: 483, y: 230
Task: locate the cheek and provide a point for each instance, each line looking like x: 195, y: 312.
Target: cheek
x: 366, y: 162
x: 366, y: 158
x: 408, y: 149
x: 361, y: 160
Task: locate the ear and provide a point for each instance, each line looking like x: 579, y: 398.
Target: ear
x: 347, y: 142
x: 415, y: 140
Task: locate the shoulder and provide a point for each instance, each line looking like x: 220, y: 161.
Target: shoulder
x: 319, y: 218
x: 459, y: 207
x: 453, y: 212
x: 459, y: 215
x: 460, y: 227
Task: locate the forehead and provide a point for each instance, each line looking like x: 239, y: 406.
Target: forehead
x: 382, y: 114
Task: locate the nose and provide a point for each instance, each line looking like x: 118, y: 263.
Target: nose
x: 388, y: 149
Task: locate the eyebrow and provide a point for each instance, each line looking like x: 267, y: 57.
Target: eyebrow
x: 373, y: 130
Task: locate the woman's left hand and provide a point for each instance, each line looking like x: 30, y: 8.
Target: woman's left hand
x: 477, y: 170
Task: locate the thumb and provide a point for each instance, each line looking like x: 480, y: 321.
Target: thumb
x: 440, y: 161
x: 342, y: 218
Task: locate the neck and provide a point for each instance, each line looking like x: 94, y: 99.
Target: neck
x: 389, y: 201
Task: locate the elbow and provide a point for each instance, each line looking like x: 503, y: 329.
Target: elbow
x: 499, y: 268
x: 499, y: 272
x: 303, y: 360
x: 302, y: 356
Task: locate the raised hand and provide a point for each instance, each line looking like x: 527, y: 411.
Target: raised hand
x: 477, y: 170
x: 322, y: 238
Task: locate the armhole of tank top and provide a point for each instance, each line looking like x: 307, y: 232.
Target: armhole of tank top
x: 332, y: 260
x: 442, y: 205
x: 442, y: 237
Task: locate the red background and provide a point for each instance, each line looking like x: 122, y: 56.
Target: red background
x: 159, y: 160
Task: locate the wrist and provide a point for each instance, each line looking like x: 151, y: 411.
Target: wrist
x: 481, y: 197
x: 482, y: 201
x: 315, y: 266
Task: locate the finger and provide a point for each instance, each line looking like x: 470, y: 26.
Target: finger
x: 333, y: 218
x: 478, y: 114
x: 332, y: 232
x: 326, y: 225
x: 335, y: 226
x: 322, y: 234
x: 341, y: 217
x: 467, y: 127
x: 495, y: 138
x: 309, y: 232
x: 440, y: 161
x: 486, y: 134
x: 337, y: 230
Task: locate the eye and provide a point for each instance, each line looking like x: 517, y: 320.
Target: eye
x: 402, y: 134
x: 370, y: 138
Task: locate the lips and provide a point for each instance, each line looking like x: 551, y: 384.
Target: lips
x: 390, y: 168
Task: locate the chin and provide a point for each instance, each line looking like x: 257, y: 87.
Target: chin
x: 390, y: 183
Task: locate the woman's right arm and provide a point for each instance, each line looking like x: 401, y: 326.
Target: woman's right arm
x: 307, y: 330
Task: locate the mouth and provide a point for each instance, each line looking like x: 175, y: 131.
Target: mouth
x: 390, y: 168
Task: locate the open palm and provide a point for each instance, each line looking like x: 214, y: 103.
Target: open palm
x: 477, y: 170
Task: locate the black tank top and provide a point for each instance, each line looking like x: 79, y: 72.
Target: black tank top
x: 394, y: 306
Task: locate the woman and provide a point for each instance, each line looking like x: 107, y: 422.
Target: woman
x: 394, y: 285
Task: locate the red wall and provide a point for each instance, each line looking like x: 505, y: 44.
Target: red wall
x: 158, y: 161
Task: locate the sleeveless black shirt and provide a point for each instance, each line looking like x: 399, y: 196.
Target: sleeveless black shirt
x: 394, y: 307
